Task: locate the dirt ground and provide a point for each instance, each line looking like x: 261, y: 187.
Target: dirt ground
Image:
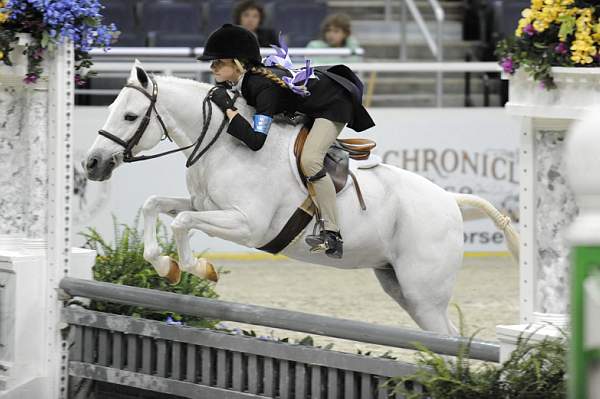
x: 486, y: 292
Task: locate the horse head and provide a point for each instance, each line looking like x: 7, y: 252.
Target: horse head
x: 133, y: 125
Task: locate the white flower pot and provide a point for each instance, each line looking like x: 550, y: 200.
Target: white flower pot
x: 577, y: 89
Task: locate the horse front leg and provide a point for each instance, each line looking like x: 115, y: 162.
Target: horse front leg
x: 230, y: 225
x: 164, y: 265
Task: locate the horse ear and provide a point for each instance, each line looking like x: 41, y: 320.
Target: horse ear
x: 138, y: 74
x: 142, y: 77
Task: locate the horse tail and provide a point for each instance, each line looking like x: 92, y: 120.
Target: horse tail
x: 501, y: 221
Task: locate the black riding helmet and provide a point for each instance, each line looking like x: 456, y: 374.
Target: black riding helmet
x: 232, y: 41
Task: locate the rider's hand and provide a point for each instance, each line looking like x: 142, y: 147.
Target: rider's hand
x: 220, y: 97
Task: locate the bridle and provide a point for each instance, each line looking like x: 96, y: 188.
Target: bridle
x: 137, y: 136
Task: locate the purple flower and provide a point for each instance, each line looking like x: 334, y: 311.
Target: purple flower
x: 529, y: 29
x: 30, y: 78
x: 79, y: 81
x: 561, y: 48
x: 508, y: 65
x: 38, y: 53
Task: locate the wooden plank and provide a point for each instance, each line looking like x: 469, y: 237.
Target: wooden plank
x: 76, y: 349
x: 248, y: 345
x: 285, y: 386
x: 300, y: 381
x: 332, y: 384
x: 103, y: 348
x: 269, y: 382
x: 190, y: 369
x: 176, y: 360
x: 118, y: 360
x: 366, y: 386
x: 89, y: 344
x: 316, y: 382
x: 208, y: 367
x: 238, y: 372
x: 132, y: 352
x: 147, y: 365
x: 382, y: 393
x: 253, y: 374
x: 350, y: 386
x: 222, y: 369
x: 161, y: 358
x: 167, y: 386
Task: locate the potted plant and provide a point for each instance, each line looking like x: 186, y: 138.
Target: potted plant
x: 553, y: 58
x: 557, y: 33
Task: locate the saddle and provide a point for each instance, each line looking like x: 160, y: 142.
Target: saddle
x: 337, y: 165
x: 337, y: 160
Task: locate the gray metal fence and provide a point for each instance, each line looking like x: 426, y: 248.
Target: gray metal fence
x: 200, y: 363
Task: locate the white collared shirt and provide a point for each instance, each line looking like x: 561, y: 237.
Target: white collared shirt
x: 238, y: 85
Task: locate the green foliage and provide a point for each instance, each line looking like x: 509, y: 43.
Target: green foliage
x: 122, y: 262
x: 534, y: 370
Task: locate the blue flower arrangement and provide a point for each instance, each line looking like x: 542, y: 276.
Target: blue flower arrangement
x: 50, y: 23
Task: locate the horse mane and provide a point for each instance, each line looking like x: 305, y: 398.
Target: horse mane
x: 203, y: 86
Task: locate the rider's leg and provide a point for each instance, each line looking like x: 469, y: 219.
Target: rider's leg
x: 321, y: 137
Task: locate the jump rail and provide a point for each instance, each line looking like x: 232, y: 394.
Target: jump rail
x: 277, y: 318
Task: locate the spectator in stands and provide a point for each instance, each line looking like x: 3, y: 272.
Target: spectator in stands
x: 336, y: 32
x: 251, y: 15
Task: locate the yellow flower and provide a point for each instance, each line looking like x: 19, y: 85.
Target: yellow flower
x: 3, y: 17
x: 1, y: 55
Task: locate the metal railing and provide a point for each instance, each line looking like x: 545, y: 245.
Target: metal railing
x: 181, y: 63
x: 435, y: 45
x: 192, y: 52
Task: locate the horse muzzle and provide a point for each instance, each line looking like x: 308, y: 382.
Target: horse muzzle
x: 98, y: 166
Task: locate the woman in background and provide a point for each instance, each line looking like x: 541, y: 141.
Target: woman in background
x: 250, y: 15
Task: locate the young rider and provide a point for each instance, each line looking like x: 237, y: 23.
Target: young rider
x: 332, y: 97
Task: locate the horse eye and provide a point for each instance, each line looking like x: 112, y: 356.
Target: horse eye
x: 130, y: 117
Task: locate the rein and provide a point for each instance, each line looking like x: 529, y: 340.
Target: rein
x: 134, y: 140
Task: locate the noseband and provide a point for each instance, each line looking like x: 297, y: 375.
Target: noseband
x: 134, y: 140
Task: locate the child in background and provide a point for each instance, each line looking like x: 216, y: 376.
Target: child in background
x: 336, y: 32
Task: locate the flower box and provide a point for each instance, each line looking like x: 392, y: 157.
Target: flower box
x: 576, y: 90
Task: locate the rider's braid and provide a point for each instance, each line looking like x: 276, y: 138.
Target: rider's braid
x: 269, y: 75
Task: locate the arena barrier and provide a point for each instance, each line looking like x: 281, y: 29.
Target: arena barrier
x: 193, y: 362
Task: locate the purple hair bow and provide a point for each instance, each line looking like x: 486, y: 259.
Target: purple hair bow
x: 299, y: 79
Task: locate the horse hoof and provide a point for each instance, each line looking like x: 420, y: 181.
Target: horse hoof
x: 209, y: 270
x: 174, y: 274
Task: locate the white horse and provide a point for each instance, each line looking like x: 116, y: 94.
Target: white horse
x: 411, y: 234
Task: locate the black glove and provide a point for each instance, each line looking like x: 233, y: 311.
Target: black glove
x: 220, y: 97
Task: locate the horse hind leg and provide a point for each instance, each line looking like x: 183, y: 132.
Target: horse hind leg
x: 429, y: 315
